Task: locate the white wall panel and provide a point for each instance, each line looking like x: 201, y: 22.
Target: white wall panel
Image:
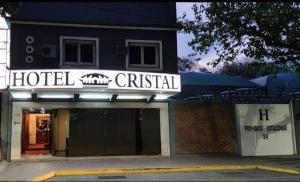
x: 266, y: 132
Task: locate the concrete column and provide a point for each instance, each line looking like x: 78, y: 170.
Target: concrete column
x: 164, y: 131
x: 16, y: 127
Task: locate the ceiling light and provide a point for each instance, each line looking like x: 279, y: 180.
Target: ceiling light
x: 55, y: 96
x: 94, y: 96
x: 132, y: 97
x: 162, y: 97
x: 21, y: 95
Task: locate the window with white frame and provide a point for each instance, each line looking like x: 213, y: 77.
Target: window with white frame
x: 79, y: 51
x: 144, y: 55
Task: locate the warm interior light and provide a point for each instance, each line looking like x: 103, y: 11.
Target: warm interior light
x: 42, y: 110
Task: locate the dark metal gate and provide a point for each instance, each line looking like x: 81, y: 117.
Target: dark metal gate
x: 100, y: 132
x: 120, y: 133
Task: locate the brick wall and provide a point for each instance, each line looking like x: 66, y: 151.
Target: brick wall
x: 204, y: 128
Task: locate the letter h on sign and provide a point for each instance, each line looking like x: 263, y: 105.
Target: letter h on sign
x: 261, y: 114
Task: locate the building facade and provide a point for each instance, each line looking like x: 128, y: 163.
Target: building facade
x: 90, y: 79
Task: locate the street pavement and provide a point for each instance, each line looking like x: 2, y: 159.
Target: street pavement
x: 29, y: 169
x: 242, y: 175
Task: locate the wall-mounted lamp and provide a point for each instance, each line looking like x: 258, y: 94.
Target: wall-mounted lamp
x: 34, y: 96
x: 76, y: 97
x: 113, y: 98
x: 151, y: 98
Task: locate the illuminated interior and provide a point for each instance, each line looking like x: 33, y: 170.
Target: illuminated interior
x: 36, y: 132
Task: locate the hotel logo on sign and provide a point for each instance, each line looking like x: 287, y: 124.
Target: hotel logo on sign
x: 95, y: 79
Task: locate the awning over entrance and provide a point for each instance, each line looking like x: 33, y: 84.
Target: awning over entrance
x: 82, y: 84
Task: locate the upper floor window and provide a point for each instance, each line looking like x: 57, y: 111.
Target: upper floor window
x: 80, y: 51
x: 144, y: 55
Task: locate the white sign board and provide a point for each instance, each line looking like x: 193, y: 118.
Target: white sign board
x: 93, y: 79
x: 265, y: 129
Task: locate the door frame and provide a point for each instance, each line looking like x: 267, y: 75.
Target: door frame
x: 24, y: 132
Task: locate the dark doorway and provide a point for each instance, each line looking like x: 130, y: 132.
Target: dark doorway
x: 107, y: 132
x: 87, y: 127
x: 36, y: 132
x: 150, y: 131
x: 120, y: 138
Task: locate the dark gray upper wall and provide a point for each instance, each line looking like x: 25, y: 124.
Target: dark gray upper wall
x: 162, y: 14
x: 109, y: 39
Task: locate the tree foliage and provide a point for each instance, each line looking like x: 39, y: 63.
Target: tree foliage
x: 8, y: 8
x: 188, y: 65
x: 262, y: 31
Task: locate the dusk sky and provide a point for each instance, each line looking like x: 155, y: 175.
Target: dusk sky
x: 182, y: 39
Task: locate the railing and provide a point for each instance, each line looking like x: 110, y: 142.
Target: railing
x: 238, y: 95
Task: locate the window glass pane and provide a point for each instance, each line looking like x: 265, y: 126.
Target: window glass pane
x: 86, y: 53
x: 134, y: 55
x: 149, y: 55
x: 71, y: 52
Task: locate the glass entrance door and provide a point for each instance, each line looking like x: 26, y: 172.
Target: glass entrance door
x: 36, y: 132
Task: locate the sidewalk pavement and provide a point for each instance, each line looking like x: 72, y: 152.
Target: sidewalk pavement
x: 28, y: 170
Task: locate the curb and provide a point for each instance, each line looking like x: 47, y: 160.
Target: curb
x: 278, y: 169
x: 157, y: 170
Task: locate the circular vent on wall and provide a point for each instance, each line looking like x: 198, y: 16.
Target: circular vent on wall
x: 29, y: 49
x: 29, y: 59
x: 29, y: 39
